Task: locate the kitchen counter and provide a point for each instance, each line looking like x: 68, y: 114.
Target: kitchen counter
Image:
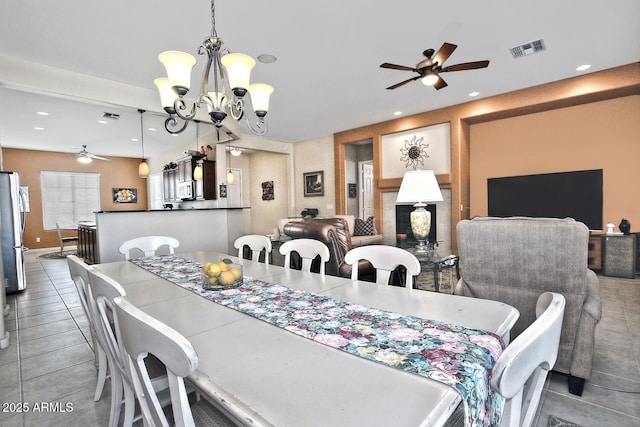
x: 213, y: 229
x: 170, y: 210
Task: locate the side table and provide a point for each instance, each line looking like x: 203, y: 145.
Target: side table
x: 620, y: 256
x: 436, y: 272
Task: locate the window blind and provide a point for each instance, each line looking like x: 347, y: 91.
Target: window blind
x: 68, y: 198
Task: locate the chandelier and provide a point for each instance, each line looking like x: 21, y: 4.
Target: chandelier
x: 230, y: 73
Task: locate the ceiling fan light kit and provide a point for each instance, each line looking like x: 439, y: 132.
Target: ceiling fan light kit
x: 429, y: 69
x: 230, y: 73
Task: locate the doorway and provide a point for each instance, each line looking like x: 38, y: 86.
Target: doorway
x: 365, y: 196
x: 234, y: 190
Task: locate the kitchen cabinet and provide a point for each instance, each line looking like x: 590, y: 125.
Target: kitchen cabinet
x: 206, y: 187
x: 178, y: 183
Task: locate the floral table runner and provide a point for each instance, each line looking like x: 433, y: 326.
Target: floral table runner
x: 459, y: 357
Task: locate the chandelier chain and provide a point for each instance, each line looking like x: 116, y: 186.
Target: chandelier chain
x: 213, y: 19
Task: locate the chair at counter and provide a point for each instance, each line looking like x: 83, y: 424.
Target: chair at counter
x: 64, y: 240
x: 148, y: 245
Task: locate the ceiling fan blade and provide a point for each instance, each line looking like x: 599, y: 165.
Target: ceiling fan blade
x: 467, y: 66
x: 93, y: 156
x: 440, y: 83
x: 444, y: 52
x: 396, y: 67
x: 403, y: 82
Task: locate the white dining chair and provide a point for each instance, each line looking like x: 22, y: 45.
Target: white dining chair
x: 384, y: 259
x: 79, y: 272
x: 102, y: 291
x: 256, y: 243
x: 308, y: 249
x: 142, y: 335
x: 520, y: 371
x: 148, y: 245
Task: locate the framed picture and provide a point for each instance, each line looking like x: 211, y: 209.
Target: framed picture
x: 313, y: 184
x: 353, y: 191
x: 223, y: 190
x: 125, y: 195
x: 267, y: 190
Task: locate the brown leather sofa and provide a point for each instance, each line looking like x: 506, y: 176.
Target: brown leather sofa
x: 334, y: 233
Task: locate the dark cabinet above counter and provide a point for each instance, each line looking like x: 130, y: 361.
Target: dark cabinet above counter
x: 179, y: 184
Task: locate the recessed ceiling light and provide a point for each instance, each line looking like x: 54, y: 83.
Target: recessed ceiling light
x: 266, y: 58
x: 474, y: 93
x: 397, y: 113
x: 38, y: 128
x: 42, y: 113
x: 151, y: 129
x: 104, y: 122
x: 135, y: 139
x: 583, y: 67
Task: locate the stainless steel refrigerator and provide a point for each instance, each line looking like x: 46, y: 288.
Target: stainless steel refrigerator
x: 12, y: 222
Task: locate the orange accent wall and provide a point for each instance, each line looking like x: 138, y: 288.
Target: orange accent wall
x: 600, y: 135
x: 119, y: 172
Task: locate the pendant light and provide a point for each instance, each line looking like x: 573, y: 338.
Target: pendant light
x: 197, y: 172
x: 143, y: 167
x: 230, y: 177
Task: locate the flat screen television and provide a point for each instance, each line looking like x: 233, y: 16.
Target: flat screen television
x: 576, y: 194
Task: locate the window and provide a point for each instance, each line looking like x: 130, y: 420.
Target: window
x: 68, y: 198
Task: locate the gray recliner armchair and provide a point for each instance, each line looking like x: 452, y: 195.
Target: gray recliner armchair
x: 514, y: 260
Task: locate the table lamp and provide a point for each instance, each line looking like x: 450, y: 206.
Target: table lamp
x: 419, y: 187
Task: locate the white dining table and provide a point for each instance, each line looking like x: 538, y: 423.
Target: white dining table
x: 266, y: 376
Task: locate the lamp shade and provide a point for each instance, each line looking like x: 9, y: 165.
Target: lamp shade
x: 230, y: 177
x: 197, y: 172
x: 238, y: 66
x: 178, y: 65
x: 260, y: 94
x: 167, y: 94
x: 419, y: 186
x: 143, y: 169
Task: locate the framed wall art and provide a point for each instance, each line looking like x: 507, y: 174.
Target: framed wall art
x: 313, y: 184
x: 267, y: 190
x: 125, y: 195
x: 353, y: 191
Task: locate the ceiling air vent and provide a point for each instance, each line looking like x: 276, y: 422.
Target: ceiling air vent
x: 527, y: 48
x: 112, y: 116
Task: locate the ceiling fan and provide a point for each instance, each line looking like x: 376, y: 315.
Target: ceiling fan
x: 86, y: 157
x: 429, y: 69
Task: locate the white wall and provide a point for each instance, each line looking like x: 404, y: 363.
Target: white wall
x: 311, y: 156
x: 266, y: 213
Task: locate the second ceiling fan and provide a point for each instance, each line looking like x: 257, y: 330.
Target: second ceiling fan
x: 430, y: 68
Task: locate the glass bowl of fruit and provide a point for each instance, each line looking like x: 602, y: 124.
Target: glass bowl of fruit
x: 221, y: 275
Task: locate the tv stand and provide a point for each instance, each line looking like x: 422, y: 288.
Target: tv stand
x: 594, y: 253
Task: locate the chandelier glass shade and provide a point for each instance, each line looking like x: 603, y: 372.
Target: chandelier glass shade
x: 225, y: 82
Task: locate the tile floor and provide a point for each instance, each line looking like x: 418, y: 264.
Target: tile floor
x: 50, y: 359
